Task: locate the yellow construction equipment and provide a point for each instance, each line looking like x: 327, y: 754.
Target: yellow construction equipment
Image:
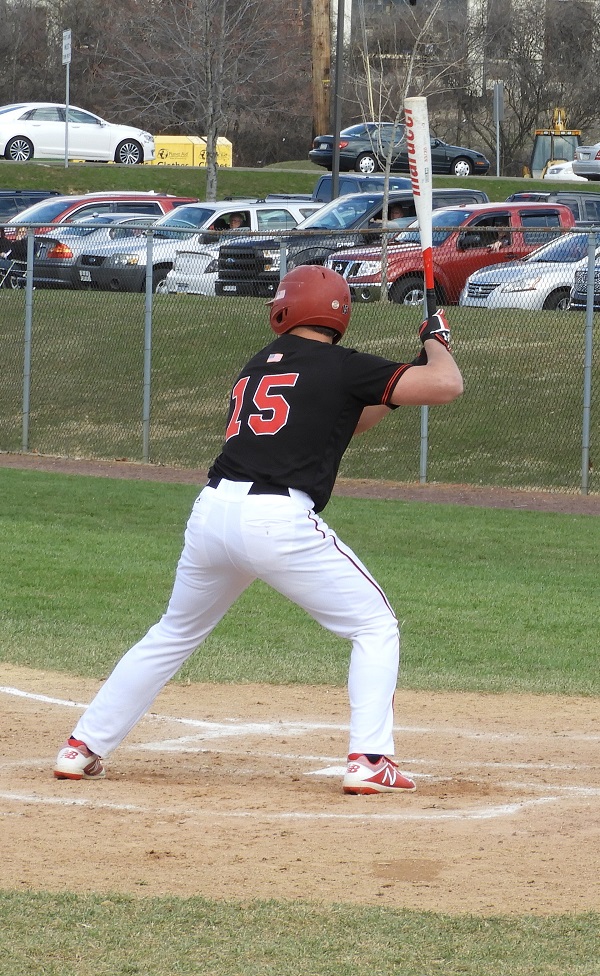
x: 554, y: 145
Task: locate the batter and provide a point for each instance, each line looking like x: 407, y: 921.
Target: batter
x: 294, y: 408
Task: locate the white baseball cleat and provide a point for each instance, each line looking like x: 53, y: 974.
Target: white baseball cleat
x: 75, y: 761
x: 364, y: 777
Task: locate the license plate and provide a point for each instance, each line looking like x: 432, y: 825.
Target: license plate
x: 85, y: 276
x: 584, y: 155
x: 229, y: 287
x: 323, y: 146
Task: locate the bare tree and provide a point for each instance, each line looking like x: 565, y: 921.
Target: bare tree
x: 192, y: 65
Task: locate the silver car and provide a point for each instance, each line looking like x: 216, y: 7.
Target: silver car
x: 56, y: 254
x: 542, y: 280
x: 587, y: 162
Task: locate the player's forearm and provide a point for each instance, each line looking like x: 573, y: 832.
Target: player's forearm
x: 438, y: 381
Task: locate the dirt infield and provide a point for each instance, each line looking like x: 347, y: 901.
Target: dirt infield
x: 234, y: 792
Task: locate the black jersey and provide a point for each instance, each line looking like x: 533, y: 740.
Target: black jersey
x: 294, y: 408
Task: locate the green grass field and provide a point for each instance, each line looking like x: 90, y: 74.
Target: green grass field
x: 295, y: 176
x: 518, y: 425
x: 490, y: 600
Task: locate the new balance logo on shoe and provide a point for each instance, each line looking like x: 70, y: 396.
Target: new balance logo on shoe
x: 364, y: 777
x: 76, y: 762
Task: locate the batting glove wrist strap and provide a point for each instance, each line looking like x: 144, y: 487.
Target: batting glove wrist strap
x: 436, y: 327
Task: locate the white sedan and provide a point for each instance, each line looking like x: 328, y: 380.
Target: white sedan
x: 39, y: 130
x: 542, y: 280
x: 193, y: 272
x: 563, y: 171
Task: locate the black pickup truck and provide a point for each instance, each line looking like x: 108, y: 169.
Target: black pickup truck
x: 252, y: 266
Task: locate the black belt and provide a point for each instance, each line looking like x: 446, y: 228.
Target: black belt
x: 256, y: 488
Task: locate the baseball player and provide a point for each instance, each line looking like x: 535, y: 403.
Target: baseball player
x: 294, y: 408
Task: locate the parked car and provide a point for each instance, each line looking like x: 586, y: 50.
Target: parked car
x: 13, y: 202
x: 587, y: 162
x: 193, y: 273
x: 364, y: 148
x: 38, y: 130
x: 356, y: 183
x: 464, y: 240
x: 578, y: 293
x: 563, y: 171
x: 122, y: 266
x: 66, y: 209
x: 585, y: 204
x: 542, y: 280
x: 56, y: 255
x: 251, y: 267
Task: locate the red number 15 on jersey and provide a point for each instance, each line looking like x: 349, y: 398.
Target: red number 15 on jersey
x: 273, y: 407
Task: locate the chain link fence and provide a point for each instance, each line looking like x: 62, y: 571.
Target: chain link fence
x: 145, y: 375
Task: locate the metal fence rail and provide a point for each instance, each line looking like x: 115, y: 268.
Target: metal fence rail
x: 146, y: 376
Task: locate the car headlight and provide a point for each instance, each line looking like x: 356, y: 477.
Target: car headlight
x: 523, y: 284
x: 147, y: 137
x: 273, y: 260
x: 212, y: 267
x: 368, y: 268
x: 124, y: 260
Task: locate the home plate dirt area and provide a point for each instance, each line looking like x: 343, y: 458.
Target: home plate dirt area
x: 234, y: 792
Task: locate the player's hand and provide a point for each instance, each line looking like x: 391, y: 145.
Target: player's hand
x: 436, y: 327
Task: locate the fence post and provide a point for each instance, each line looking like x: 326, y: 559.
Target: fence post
x: 27, y: 345
x: 282, y: 260
x: 147, y: 346
x: 587, y: 363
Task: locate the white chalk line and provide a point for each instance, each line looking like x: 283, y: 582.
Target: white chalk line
x: 482, y: 813
x: 236, y: 727
x: 233, y: 727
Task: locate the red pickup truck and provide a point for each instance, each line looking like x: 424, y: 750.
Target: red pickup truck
x: 464, y: 240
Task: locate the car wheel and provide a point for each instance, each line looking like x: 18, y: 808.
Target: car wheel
x: 130, y: 153
x: 408, y: 291
x: 14, y: 281
x: 19, y: 150
x: 367, y: 164
x: 557, y: 301
x: 462, y: 167
x: 159, y: 275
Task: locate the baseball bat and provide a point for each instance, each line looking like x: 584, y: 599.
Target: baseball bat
x: 418, y: 143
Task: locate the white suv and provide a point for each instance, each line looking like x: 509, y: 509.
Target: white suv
x: 121, y: 266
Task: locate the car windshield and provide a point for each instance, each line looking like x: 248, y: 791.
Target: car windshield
x: 341, y: 213
x: 11, y: 108
x: 570, y: 248
x: 371, y: 128
x: 80, y: 228
x: 44, y: 212
x: 183, y: 218
x: 443, y: 223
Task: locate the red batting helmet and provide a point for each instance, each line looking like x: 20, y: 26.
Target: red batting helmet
x: 311, y: 295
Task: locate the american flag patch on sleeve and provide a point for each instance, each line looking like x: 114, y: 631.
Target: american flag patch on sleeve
x: 275, y: 357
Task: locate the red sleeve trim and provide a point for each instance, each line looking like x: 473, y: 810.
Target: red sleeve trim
x: 392, y: 382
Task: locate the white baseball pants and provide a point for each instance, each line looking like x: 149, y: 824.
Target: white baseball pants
x: 231, y: 539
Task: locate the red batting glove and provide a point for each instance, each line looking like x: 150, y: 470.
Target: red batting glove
x: 436, y: 327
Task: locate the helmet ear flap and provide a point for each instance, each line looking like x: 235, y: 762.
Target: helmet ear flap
x: 311, y: 295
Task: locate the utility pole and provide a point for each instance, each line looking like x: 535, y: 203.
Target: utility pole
x: 321, y: 65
